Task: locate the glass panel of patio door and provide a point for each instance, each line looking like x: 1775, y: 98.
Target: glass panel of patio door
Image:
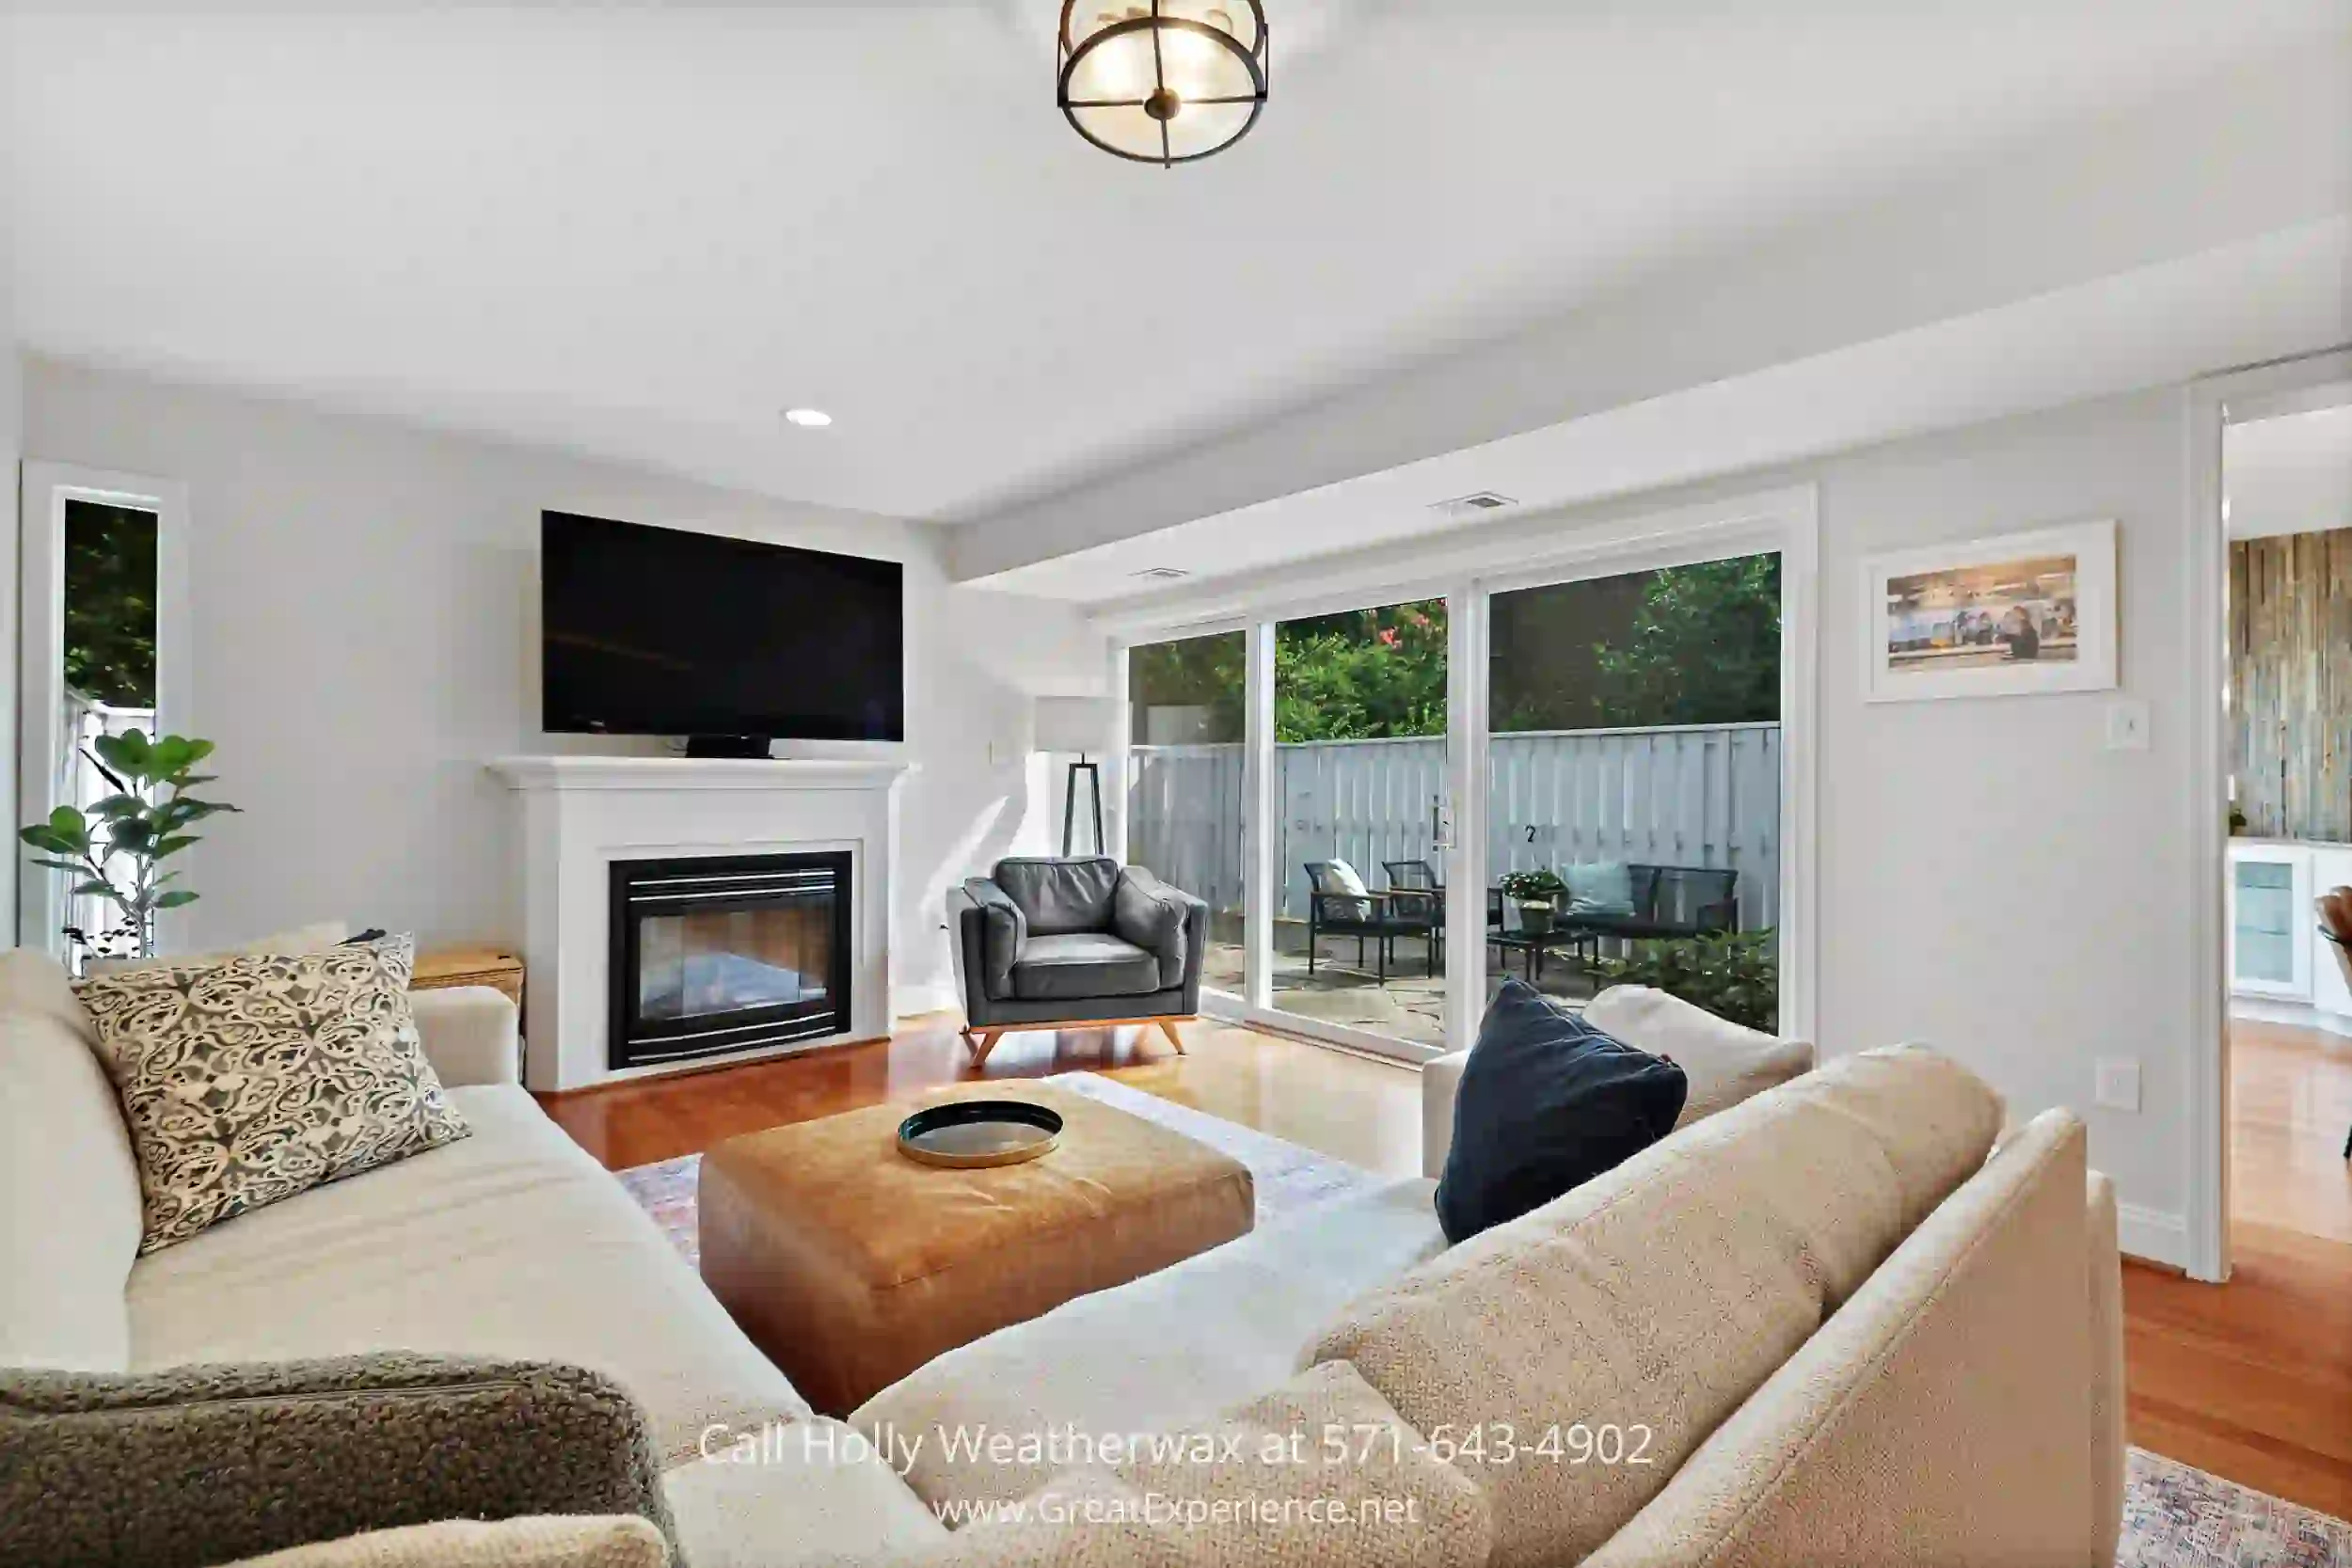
x: 1633, y: 784
x: 1186, y: 767
x: 1359, y: 778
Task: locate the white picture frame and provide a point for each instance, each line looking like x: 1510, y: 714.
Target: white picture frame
x: 2010, y: 615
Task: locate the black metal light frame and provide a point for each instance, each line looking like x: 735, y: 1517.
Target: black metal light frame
x: 1260, y: 63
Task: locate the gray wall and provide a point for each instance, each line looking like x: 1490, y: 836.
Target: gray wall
x: 1992, y: 879
x: 364, y: 598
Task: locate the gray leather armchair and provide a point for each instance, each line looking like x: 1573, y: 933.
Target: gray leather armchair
x: 1047, y: 942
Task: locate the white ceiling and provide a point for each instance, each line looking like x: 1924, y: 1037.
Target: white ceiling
x: 2292, y: 474
x: 644, y: 232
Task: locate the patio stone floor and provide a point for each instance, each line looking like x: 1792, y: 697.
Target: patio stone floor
x: 1410, y: 1007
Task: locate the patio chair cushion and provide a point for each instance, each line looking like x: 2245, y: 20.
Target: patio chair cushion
x: 1060, y: 895
x: 1352, y: 900
x: 1081, y: 965
x: 1547, y: 1102
x: 1604, y: 888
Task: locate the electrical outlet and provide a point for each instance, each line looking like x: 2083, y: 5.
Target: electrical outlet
x: 2127, y: 725
x: 2117, y: 1083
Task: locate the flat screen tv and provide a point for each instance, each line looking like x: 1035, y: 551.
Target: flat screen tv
x: 728, y: 641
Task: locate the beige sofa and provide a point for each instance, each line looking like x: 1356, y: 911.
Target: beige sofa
x: 1854, y: 1336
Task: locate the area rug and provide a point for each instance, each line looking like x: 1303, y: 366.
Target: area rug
x: 2174, y: 1515
x: 1290, y: 1179
x: 2178, y: 1516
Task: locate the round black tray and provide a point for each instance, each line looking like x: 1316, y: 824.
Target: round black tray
x: 967, y: 1134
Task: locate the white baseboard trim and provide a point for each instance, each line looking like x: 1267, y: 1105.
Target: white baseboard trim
x: 924, y: 996
x: 2153, y: 1234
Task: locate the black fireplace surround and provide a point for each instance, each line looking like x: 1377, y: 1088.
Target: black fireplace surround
x: 719, y: 955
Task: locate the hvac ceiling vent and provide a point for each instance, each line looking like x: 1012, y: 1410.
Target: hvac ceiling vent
x: 1472, y: 505
x: 1160, y: 574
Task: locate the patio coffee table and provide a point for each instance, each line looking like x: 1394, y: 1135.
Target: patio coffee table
x: 1535, y: 945
x: 852, y: 1265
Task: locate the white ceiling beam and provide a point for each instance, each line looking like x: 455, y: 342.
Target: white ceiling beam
x: 2265, y: 152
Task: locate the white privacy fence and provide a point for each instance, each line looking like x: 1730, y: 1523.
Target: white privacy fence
x: 1705, y: 795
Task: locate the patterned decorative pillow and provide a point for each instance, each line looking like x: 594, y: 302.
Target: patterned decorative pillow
x: 249, y: 1080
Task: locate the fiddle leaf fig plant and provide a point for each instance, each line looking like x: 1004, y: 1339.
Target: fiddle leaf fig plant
x: 117, y: 848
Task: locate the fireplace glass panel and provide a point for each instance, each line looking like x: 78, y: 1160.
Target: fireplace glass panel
x: 713, y: 956
x: 705, y: 962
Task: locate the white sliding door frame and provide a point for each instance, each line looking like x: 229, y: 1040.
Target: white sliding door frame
x: 47, y: 487
x: 1468, y: 569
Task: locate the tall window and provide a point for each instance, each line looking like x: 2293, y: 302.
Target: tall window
x: 109, y: 658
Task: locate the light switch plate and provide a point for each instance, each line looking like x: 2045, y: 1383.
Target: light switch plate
x: 2118, y: 1087
x: 2127, y: 725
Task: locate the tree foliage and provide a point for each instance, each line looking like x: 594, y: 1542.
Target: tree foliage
x: 1705, y: 649
x: 110, y: 603
x: 1361, y: 676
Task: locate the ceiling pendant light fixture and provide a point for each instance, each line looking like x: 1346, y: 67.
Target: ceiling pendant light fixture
x: 1162, y: 82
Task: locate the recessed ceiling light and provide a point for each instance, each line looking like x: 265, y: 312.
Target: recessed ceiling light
x: 810, y: 419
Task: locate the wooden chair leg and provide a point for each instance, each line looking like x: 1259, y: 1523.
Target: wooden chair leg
x: 982, y: 1043
x: 1168, y: 1027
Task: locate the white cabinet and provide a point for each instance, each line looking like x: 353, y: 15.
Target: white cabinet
x: 2272, y: 926
x: 2275, y: 951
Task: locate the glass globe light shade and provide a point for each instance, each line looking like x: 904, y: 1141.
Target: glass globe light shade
x: 1162, y: 81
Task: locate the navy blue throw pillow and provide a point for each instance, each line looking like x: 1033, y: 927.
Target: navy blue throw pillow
x: 1547, y: 1103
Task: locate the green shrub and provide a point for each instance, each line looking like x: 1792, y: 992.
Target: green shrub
x: 1733, y: 976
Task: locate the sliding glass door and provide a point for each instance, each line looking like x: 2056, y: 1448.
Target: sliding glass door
x: 1577, y: 778
x: 1633, y: 784
x: 1359, y: 778
x: 1186, y: 767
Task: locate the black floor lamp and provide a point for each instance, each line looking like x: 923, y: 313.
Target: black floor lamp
x: 1080, y: 726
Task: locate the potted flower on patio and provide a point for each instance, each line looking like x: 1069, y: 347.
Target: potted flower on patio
x: 1534, y: 891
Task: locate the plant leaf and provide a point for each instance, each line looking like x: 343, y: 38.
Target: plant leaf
x: 127, y: 753
x: 111, y: 776
x: 173, y: 899
x: 174, y: 843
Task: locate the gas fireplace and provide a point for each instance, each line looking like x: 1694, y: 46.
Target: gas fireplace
x: 714, y: 956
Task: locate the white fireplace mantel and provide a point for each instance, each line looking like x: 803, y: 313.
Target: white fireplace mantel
x: 581, y: 814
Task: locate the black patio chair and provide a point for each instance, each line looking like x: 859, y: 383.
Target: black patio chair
x: 1379, y: 917
x: 1410, y: 880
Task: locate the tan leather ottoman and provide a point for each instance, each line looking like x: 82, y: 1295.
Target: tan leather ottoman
x: 852, y: 1265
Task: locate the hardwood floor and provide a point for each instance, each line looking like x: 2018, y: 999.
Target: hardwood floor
x: 2252, y: 1380
x: 1353, y: 1108
x: 2290, y: 1107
